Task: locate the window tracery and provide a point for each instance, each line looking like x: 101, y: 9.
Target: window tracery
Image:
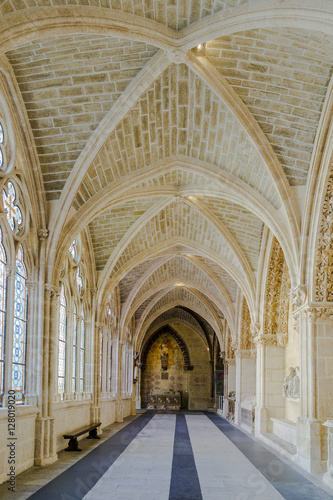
x: 11, y: 207
x: 62, y: 342
x: 73, y: 279
x: 20, y: 327
x: 3, y: 290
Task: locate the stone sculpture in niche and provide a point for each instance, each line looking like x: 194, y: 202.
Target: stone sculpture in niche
x: 164, y: 355
x: 291, y: 384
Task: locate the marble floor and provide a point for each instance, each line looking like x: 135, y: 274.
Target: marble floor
x: 170, y: 456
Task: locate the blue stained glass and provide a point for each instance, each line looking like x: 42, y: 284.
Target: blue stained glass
x: 13, y: 213
x: 20, y: 327
x: 62, y: 342
x: 82, y: 351
x: 1, y: 134
x: 74, y: 349
x: 2, y: 314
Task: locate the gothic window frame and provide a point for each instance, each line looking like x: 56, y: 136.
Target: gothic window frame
x: 20, y: 323
x: 73, y: 276
x: 3, y: 314
x: 14, y: 207
x: 63, y: 304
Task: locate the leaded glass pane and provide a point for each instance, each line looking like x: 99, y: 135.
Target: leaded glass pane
x: 13, y: 213
x: 72, y: 249
x: 1, y: 134
x: 74, y: 349
x: 20, y: 327
x: 62, y: 342
x: 82, y: 351
x: 1, y: 158
x: 2, y: 314
x: 79, y: 279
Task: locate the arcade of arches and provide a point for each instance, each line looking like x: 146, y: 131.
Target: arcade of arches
x: 166, y: 218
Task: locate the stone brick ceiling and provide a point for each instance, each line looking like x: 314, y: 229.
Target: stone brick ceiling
x: 174, y: 159
x: 68, y: 83
x: 282, y: 77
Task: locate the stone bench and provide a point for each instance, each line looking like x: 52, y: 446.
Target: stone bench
x: 73, y: 444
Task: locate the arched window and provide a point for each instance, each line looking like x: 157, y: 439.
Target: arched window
x: 62, y: 342
x: 20, y: 327
x: 11, y: 206
x: 3, y: 290
x: 1, y: 144
x: 82, y: 350
x: 74, y: 349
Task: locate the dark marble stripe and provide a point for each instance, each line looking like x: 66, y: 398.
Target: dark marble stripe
x: 289, y: 483
x: 184, y: 477
x: 77, y: 480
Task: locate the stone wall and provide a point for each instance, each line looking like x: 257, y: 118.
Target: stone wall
x: 195, y: 385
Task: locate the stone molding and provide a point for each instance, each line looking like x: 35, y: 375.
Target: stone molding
x: 266, y: 340
x: 243, y: 353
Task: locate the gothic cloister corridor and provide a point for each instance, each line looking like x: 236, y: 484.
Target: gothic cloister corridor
x: 173, y: 455
x: 166, y: 244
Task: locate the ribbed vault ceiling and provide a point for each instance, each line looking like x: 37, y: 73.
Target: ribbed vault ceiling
x: 173, y: 161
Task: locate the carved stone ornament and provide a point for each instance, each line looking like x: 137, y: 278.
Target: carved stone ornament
x: 42, y: 234
x: 272, y: 295
x: 298, y: 296
x: 244, y: 353
x: 177, y: 56
x: 266, y: 340
x: 324, y: 250
x: 246, y: 337
x: 321, y: 313
x: 291, y: 385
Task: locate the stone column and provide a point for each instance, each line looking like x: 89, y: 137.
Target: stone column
x: 245, y: 379
x: 316, y: 326
x: 328, y: 476
x: 45, y: 441
x: 270, y: 374
x: 96, y: 409
x: 119, y: 395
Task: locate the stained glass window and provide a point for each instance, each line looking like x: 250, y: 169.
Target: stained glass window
x: 72, y: 249
x: 82, y: 350
x: 101, y: 359
x: 79, y: 280
x: 74, y: 349
x: 62, y: 342
x: 1, y: 158
x: 20, y: 327
x: 1, y: 134
x: 110, y: 366
x: 13, y: 212
x: 2, y: 314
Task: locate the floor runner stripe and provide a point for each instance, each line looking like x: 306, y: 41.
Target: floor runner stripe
x: 289, y: 483
x: 184, y: 478
x: 77, y: 480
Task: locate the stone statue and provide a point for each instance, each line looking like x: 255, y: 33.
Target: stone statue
x: 164, y: 355
x: 291, y: 385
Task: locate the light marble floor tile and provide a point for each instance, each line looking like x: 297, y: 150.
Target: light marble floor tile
x: 143, y: 470
x: 215, y: 456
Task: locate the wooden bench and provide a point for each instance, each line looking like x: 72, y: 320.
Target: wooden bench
x: 73, y: 444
